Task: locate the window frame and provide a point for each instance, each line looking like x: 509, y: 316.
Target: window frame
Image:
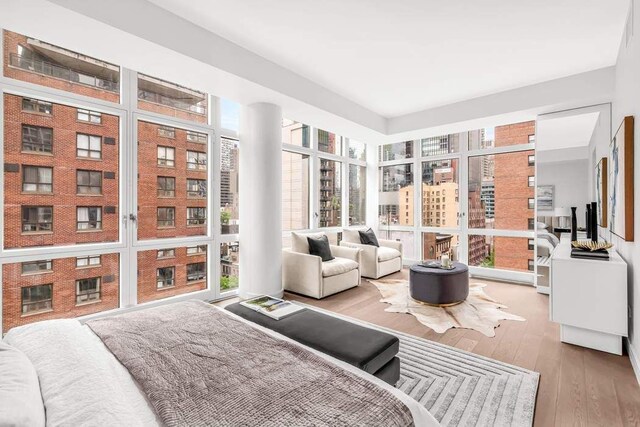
x: 43, y: 144
x: 37, y: 183
x: 37, y: 103
x: 47, y: 262
x: 197, y: 220
x: 39, y: 228
x: 88, y: 295
x: 165, y: 161
x: 88, y: 222
x: 92, y: 117
x: 89, y: 151
x: 169, y: 221
x: 36, y: 311
x: 89, y: 186
x: 164, y: 280
x: 200, y: 275
x: 166, y: 193
x: 89, y: 259
x: 197, y: 165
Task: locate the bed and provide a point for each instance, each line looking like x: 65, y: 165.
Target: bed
x: 191, y: 363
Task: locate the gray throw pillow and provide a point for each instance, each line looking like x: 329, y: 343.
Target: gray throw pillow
x: 319, y: 246
x: 368, y: 238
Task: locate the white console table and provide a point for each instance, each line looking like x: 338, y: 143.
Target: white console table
x: 589, y: 299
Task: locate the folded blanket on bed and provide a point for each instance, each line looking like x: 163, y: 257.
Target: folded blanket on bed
x: 200, y: 366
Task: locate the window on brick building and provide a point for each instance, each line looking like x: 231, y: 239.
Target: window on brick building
x: 37, y: 179
x: 37, y: 219
x: 196, y: 216
x: 167, y: 131
x: 532, y: 266
x: 531, y: 160
x: 37, y: 298
x: 196, y: 160
x: 166, y: 186
x: 37, y: 267
x: 166, y: 253
x: 165, y: 277
x: 89, y: 182
x: 89, y: 116
x: 531, y: 244
x: 196, y: 272
x: 532, y: 139
x: 166, y: 156
x: 89, y: 146
x: 89, y: 218
x: 197, y: 188
x: 87, y: 290
x: 532, y: 181
x: 198, y: 137
x: 88, y: 261
x: 37, y: 139
x: 166, y: 217
x: 531, y: 224
x: 532, y: 203
x: 197, y: 250
x: 36, y: 106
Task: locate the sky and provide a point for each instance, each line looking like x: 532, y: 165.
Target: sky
x: 229, y: 114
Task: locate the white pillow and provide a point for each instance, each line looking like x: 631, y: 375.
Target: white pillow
x: 299, y: 242
x: 352, y: 235
x: 20, y: 398
x: 541, y: 225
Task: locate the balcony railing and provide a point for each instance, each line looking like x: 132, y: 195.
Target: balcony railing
x: 63, y: 73
x: 156, y: 98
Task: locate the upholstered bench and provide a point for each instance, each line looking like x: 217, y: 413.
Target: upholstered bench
x: 368, y: 349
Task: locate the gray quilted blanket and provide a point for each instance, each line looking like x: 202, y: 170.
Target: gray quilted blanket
x: 199, y: 366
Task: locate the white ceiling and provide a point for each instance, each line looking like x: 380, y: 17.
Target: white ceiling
x: 565, y: 132
x: 399, y: 57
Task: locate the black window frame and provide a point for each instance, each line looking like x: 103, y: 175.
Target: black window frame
x: 40, y: 142
x: 41, y: 226
x: 167, y: 223
x: 91, y: 175
x: 41, y: 187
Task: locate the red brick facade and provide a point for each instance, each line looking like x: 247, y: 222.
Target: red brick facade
x: 149, y: 139
x: 64, y: 160
x: 148, y: 263
x: 11, y: 43
x: 63, y: 276
x: 172, y: 112
x: 512, y: 194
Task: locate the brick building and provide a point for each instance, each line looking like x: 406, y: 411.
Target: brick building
x: 512, y: 194
x: 62, y: 180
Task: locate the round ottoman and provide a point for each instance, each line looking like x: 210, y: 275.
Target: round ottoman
x: 436, y: 286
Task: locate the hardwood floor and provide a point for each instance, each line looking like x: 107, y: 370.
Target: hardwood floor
x: 578, y: 386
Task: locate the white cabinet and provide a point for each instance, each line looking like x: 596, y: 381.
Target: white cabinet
x: 589, y: 299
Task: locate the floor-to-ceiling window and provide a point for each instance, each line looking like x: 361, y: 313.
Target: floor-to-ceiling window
x: 109, y: 204
x: 466, y: 194
x: 323, y: 181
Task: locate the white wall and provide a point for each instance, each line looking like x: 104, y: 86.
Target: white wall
x: 627, y: 103
x: 570, y: 184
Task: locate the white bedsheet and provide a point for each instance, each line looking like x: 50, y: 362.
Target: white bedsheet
x: 82, y: 382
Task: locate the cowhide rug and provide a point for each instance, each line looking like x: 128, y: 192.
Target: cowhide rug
x: 479, y: 312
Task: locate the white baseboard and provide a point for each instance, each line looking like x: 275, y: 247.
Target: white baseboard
x: 635, y: 360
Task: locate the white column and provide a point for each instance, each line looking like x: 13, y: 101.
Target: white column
x: 261, y: 200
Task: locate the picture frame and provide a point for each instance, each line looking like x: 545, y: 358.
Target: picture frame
x: 601, y: 180
x: 544, y: 197
x: 620, y: 171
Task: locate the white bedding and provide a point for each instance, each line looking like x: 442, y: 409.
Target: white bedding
x: 82, y: 383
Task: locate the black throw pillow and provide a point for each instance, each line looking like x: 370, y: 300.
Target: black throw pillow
x: 319, y: 246
x: 368, y: 238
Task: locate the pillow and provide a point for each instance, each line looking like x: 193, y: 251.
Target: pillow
x: 541, y: 225
x: 319, y: 246
x: 548, y: 237
x: 368, y: 238
x: 299, y: 241
x: 20, y: 398
x: 351, y: 236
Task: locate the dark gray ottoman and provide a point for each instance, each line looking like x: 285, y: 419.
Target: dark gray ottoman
x: 437, y: 286
x: 365, y: 348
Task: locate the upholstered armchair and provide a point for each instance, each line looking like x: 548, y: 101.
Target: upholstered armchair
x: 308, y: 275
x: 376, y: 261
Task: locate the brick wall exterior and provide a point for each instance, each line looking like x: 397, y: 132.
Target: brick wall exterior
x: 512, y: 193
x: 11, y: 42
x: 148, y: 263
x: 172, y: 112
x: 65, y: 163
x: 148, y: 172
x: 63, y: 276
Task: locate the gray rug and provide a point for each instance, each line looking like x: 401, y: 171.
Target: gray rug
x: 460, y: 388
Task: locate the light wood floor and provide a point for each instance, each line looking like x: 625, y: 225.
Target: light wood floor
x: 578, y: 386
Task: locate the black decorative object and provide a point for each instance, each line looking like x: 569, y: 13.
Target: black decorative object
x: 368, y: 238
x: 574, y: 224
x: 320, y: 247
x: 594, y: 221
x: 587, y: 223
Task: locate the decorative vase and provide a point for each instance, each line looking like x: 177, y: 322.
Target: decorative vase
x: 594, y: 221
x: 574, y: 224
x: 587, y: 223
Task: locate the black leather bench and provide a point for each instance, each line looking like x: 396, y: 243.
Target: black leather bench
x: 368, y: 349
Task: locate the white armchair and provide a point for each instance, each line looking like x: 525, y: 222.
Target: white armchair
x: 376, y: 261
x: 306, y: 274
